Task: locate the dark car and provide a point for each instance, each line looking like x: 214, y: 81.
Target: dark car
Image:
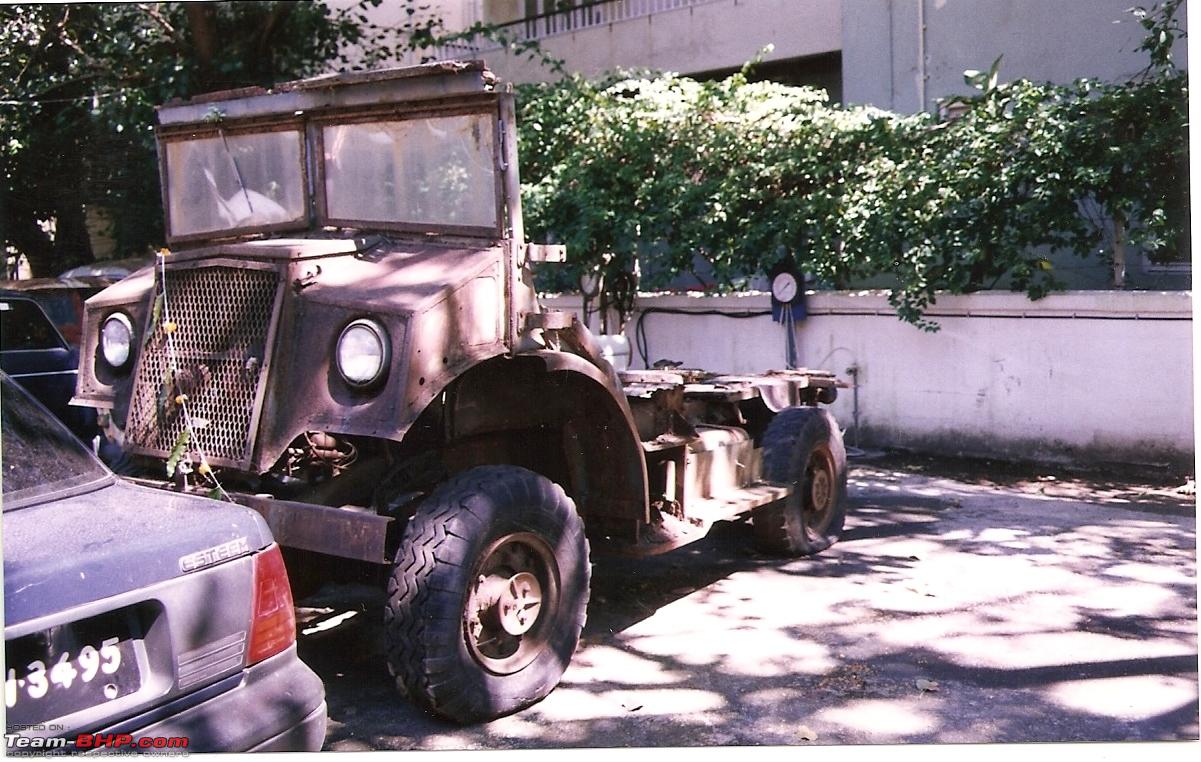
x: 139, y: 619
x: 61, y: 299
x: 36, y: 356
x: 112, y: 270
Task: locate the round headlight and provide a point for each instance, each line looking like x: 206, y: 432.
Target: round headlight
x: 363, y: 353
x: 116, y: 338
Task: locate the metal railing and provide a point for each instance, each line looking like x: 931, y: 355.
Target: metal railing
x: 583, y: 16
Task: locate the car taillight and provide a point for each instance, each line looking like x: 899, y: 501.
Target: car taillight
x: 274, y: 626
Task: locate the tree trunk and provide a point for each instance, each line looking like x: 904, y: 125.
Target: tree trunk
x: 202, y: 21
x: 263, y: 65
x: 72, y: 244
x: 28, y: 238
x: 1119, y: 250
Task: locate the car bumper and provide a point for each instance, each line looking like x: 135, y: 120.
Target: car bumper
x: 275, y: 705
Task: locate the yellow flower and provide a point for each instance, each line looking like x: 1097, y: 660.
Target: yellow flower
x: 180, y: 399
x: 204, y: 468
x: 164, y: 252
x: 169, y: 326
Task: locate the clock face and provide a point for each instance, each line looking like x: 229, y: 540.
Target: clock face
x: 784, y: 287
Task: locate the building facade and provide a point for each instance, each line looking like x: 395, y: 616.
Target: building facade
x: 897, y: 54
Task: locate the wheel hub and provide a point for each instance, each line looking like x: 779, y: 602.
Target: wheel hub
x: 520, y: 603
x: 515, y: 592
x: 822, y: 489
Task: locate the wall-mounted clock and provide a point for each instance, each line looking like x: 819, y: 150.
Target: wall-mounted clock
x: 785, y: 287
x: 787, y: 290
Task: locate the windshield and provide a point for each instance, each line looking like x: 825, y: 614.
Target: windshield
x: 438, y: 171
x: 233, y: 182
x: 39, y: 455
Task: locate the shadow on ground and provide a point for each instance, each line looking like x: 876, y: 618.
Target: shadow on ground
x: 952, y: 611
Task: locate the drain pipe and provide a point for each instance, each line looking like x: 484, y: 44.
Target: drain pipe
x: 853, y: 372
x: 921, y: 54
x: 1119, y: 250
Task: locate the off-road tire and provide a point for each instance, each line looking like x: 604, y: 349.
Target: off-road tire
x: 803, y: 448
x: 484, y: 523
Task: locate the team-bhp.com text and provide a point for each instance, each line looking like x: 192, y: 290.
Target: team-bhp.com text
x: 124, y: 741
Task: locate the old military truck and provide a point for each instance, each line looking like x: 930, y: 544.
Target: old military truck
x: 344, y: 336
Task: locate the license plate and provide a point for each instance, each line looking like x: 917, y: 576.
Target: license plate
x: 57, y: 672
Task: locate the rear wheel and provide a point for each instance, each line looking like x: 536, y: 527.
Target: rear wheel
x: 488, y: 594
x: 803, y: 448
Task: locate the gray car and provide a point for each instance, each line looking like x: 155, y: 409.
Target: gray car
x: 137, y: 619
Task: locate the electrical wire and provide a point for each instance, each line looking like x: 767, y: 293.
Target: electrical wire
x: 640, y: 341
x: 72, y: 99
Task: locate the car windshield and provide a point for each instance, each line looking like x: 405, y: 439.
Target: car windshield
x: 38, y: 454
x: 437, y: 171
x: 235, y: 182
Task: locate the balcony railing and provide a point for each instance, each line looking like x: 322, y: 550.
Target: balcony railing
x: 583, y: 16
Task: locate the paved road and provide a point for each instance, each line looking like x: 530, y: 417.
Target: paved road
x: 955, y: 610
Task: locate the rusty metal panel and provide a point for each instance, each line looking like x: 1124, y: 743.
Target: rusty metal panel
x: 338, y: 91
x: 98, y: 384
x: 342, y: 532
x: 411, y: 290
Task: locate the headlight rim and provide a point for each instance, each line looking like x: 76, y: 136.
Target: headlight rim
x: 380, y: 333
x: 124, y: 320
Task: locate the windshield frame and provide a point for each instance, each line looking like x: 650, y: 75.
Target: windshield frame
x: 487, y: 107
x: 207, y: 132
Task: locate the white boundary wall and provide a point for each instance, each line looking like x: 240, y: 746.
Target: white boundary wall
x: 1078, y: 376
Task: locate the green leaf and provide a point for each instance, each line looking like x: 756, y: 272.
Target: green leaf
x: 163, y: 397
x: 177, y: 452
x: 156, y: 313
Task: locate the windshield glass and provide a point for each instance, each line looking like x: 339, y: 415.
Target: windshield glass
x: 235, y: 181
x: 39, y: 455
x: 439, y: 171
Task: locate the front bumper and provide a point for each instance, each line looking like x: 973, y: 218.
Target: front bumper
x: 275, y: 705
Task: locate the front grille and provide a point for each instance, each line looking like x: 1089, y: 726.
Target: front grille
x: 222, y: 318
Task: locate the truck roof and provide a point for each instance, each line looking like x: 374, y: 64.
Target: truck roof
x: 440, y: 79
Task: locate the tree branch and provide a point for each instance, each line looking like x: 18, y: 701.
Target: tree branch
x: 161, y: 20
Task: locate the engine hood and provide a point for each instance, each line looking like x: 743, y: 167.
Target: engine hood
x: 444, y: 309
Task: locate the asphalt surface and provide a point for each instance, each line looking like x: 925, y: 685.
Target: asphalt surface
x: 964, y: 604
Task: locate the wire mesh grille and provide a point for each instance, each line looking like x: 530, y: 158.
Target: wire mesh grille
x: 221, y: 318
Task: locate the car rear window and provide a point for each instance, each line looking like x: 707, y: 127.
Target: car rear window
x: 38, y: 454
x: 24, y: 326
